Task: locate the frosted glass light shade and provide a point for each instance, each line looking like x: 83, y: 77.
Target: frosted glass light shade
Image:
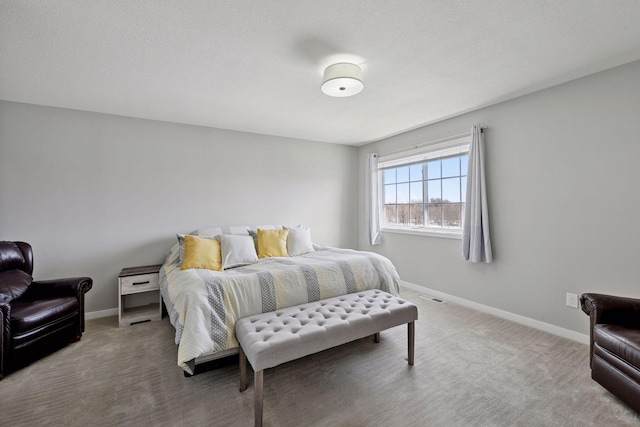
x: 342, y: 79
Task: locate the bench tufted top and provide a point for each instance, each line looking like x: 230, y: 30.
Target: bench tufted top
x: 269, y: 339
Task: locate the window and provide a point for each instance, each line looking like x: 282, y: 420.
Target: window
x: 424, y: 190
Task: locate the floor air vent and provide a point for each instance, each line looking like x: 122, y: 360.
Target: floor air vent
x: 432, y: 299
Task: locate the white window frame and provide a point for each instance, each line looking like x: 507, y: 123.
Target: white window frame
x: 451, y: 147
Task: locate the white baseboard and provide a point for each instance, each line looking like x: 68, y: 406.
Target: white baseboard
x: 546, y: 327
x: 101, y: 313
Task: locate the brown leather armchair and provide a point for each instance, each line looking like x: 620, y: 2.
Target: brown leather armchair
x: 36, y: 317
x: 615, y: 344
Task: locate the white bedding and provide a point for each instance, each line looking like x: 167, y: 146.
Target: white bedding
x: 204, y: 305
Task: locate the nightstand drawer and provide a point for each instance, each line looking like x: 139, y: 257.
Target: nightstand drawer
x: 139, y: 283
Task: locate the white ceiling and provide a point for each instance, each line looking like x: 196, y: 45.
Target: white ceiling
x: 256, y: 66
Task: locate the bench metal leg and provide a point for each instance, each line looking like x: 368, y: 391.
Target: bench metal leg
x: 411, y: 331
x: 258, y: 387
x: 376, y: 337
x: 243, y: 370
x: 257, y: 397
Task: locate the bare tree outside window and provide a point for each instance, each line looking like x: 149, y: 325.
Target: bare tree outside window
x: 403, y: 214
x: 452, y: 215
x: 416, y: 212
x: 434, y: 211
x: 390, y: 216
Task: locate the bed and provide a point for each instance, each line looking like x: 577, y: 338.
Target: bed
x: 204, y: 305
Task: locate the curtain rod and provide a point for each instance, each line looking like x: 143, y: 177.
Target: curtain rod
x: 435, y: 141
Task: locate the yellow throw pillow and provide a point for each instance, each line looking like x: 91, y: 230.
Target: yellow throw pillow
x: 201, y: 253
x: 272, y: 243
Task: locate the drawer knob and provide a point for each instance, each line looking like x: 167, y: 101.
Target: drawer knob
x: 140, y: 283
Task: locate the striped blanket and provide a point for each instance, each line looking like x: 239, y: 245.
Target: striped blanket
x: 204, y: 305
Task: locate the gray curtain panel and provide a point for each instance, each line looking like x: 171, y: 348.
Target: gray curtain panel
x: 374, y: 237
x: 476, y: 243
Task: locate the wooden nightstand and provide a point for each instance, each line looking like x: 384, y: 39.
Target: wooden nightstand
x: 142, y: 282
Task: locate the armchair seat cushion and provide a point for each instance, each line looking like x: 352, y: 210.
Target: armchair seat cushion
x: 622, y: 342
x: 30, y: 315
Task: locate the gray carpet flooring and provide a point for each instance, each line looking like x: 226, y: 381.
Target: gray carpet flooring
x: 471, y: 369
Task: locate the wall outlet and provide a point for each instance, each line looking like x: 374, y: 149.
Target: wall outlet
x: 572, y: 300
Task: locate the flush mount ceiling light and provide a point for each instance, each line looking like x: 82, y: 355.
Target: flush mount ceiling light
x: 342, y: 79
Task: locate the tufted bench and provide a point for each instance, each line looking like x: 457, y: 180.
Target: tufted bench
x: 270, y: 339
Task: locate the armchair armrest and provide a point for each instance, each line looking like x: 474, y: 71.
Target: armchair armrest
x: 73, y: 286
x: 611, y: 309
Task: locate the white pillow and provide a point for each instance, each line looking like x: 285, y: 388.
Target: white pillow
x: 237, y: 250
x: 299, y: 241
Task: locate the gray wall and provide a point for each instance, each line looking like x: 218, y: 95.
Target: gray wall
x: 562, y: 175
x: 94, y: 193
